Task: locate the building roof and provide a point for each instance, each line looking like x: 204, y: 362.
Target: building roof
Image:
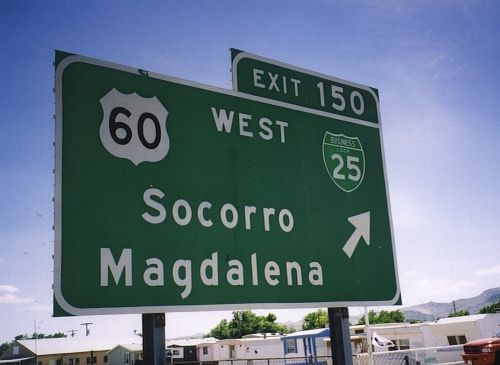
x: 188, y: 342
x: 16, y: 361
x: 318, y: 332
x: 132, y: 347
x: 66, y: 345
x: 231, y: 341
x: 470, y: 318
x: 263, y: 336
x: 208, y: 341
x: 450, y: 320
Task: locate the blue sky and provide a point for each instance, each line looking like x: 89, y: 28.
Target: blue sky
x: 435, y: 64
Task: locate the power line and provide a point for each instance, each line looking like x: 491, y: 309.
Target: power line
x: 87, y: 330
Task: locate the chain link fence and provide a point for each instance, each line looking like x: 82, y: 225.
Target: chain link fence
x: 444, y: 355
x: 449, y: 355
x: 311, y: 360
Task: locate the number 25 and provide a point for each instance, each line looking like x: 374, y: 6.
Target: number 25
x: 352, y: 165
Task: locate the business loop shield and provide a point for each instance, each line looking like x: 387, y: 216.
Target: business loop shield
x: 344, y: 160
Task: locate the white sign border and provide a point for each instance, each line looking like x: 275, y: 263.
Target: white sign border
x: 58, y: 295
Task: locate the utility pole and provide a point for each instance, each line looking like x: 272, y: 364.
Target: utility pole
x: 87, y: 330
x: 72, y: 332
x: 36, y: 336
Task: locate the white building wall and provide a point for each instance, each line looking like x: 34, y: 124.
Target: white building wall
x: 263, y: 349
x: 489, y: 325
x: 240, y: 351
x: 211, y: 353
x: 223, y: 349
x: 249, y: 348
x: 427, y: 336
x: 440, y: 333
x: 409, y: 333
x: 472, y: 327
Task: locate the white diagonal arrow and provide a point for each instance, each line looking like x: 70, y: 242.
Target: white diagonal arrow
x: 361, y: 223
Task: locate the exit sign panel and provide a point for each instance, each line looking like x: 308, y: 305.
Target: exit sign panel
x: 174, y: 196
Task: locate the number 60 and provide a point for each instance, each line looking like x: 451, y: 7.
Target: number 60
x: 124, y: 137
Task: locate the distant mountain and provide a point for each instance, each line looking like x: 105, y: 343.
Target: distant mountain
x: 421, y: 312
x: 297, y: 326
x: 432, y: 310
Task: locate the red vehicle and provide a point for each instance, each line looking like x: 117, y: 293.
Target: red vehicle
x: 485, y: 351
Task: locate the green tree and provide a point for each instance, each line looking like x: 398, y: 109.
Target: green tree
x: 55, y: 335
x: 460, y: 313
x: 41, y: 335
x: 3, y: 347
x: 317, y: 319
x: 492, y: 308
x: 220, y: 331
x: 246, y: 322
x: 243, y: 323
x: 383, y: 316
x: 371, y: 317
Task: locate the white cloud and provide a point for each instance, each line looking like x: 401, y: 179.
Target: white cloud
x: 13, y: 299
x: 8, y: 295
x: 495, y: 270
x: 8, y: 289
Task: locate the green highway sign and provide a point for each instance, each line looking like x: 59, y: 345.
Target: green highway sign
x: 176, y: 196
x: 326, y: 95
x: 271, y: 79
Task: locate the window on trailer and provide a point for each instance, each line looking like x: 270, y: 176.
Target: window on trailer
x: 291, y: 346
x: 456, y: 340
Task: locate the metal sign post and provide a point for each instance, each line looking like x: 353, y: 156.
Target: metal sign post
x: 153, y: 338
x: 340, y: 340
